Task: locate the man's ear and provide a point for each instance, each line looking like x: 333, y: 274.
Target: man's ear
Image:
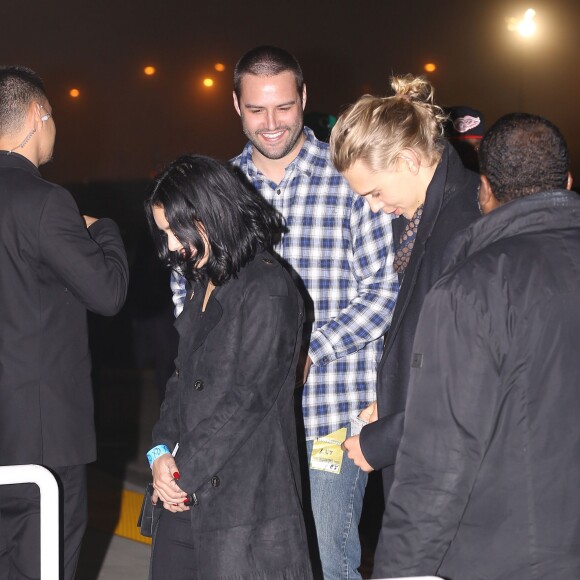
x: 303, y: 96
x: 487, y: 200
x: 236, y: 103
x: 410, y: 159
x: 39, y: 112
x: 570, y: 181
x: 33, y: 114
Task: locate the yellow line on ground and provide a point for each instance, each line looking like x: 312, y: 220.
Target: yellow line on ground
x: 116, y: 513
x: 127, y: 525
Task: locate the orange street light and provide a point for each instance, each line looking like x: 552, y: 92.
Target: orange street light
x: 149, y: 71
x: 207, y: 82
x: 74, y: 93
x: 219, y: 67
x: 430, y: 67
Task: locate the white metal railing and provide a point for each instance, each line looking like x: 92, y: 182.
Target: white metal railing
x: 49, y: 534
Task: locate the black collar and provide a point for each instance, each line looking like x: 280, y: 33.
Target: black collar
x: 16, y: 161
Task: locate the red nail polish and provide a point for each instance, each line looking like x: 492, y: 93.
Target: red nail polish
x: 176, y: 475
x: 186, y: 501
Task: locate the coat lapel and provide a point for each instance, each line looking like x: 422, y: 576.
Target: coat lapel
x: 207, y: 322
x: 432, y: 207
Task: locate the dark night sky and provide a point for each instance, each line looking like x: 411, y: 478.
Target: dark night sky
x: 124, y: 125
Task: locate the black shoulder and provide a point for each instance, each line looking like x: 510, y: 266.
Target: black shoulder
x: 265, y: 276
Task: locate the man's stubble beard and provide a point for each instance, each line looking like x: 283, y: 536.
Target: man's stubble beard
x: 291, y: 144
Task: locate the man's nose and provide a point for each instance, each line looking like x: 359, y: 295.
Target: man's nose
x: 271, y: 120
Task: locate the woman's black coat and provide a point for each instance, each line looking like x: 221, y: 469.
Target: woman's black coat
x: 450, y: 206
x: 230, y: 407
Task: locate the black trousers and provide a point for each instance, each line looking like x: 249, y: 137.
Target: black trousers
x: 20, y: 525
x: 172, y: 553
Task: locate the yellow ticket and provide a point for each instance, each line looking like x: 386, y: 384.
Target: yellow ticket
x: 327, y: 452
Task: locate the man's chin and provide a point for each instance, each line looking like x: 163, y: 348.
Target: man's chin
x: 47, y: 159
x: 276, y: 152
x: 273, y: 154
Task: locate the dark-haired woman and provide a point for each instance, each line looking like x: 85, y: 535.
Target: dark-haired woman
x: 231, y: 490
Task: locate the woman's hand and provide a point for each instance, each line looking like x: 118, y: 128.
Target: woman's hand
x: 165, y: 476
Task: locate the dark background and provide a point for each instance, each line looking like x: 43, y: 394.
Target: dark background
x: 125, y: 125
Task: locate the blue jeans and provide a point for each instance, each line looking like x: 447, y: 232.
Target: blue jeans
x: 336, y: 506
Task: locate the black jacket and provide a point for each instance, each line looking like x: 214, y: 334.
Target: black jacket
x: 52, y: 270
x: 450, y: 205
x: 488, y: 471
x: 230, y: 407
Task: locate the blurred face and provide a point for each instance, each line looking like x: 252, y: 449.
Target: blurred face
x: 271, y: 111
x: 173, y: 244
x: 398, y: 191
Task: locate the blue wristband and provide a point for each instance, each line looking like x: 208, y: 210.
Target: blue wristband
x: 154, y: 453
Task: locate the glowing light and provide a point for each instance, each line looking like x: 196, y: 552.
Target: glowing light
x: 525, y: 26
x: 219, y: 67
x: 208, y: 82
x: 149, y: 70
x: 74, y: 93
x: 430, y: 67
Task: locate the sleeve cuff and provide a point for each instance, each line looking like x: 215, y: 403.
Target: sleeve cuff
x: 375, y: 445
x: 320, y: 350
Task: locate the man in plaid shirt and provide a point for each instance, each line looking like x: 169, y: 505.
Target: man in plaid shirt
x: 340, y: 255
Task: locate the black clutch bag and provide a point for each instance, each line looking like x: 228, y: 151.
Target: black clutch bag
x: 145, y: 521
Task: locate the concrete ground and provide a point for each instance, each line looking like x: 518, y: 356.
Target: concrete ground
x: 106, y: 557
x: 127, y: 406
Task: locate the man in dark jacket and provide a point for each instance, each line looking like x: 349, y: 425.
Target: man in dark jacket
x: 487, y: 475
x: 54, y: 266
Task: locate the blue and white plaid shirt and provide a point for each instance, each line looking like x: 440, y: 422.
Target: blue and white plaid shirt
x: 342, y: 254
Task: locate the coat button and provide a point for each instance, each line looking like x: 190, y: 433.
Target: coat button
x: 215, y: 481
x: 267, y: 261
x: 176, y: 372
x: 198, y: 385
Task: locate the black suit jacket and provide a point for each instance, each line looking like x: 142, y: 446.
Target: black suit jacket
x: 230, y: 407
x: 52, y: 270
x: 450, y: 206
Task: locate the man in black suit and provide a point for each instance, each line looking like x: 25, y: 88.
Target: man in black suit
x: 54, y: 266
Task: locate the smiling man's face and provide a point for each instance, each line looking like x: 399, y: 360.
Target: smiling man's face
x: 271, y: 110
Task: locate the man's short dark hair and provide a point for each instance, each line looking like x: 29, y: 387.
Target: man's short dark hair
x: 522, y: 154
x: 267, y: 61
x: 19, y: 86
